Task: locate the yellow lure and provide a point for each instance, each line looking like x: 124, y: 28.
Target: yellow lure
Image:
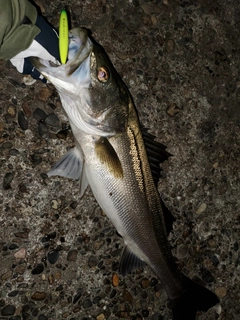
x: 63, y: 36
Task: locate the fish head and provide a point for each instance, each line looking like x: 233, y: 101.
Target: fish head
x: 93, y: 95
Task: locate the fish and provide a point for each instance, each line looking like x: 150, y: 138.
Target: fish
x: 117, y: 159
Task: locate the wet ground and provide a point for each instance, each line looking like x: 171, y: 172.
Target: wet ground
x: 59, y: 253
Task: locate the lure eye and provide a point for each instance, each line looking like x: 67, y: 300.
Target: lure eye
x: 103, y: 74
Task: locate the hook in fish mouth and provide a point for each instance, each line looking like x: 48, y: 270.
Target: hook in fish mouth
x: 80, y: 47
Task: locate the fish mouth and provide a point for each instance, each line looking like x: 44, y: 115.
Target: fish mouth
x: 76, y: 70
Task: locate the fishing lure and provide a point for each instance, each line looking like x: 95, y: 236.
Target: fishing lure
x: 63, y: 36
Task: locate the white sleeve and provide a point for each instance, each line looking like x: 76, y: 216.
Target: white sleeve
x: 35, y: 50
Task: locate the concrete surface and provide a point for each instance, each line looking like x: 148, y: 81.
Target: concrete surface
x: 59, y: 253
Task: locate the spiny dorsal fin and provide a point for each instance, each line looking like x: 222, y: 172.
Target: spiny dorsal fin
x: 156, y: 153
x: 107, y: 155
x: 129, y: 261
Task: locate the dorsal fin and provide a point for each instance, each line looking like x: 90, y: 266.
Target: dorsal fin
x: 156, y: 153
x: 129, y: 261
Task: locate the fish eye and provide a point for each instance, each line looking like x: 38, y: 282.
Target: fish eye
x: 103, y: 74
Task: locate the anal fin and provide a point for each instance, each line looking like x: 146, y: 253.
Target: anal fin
x: 129, y: 261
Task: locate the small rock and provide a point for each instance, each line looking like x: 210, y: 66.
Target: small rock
x: 116, y: 253
x: 52, y: 120
x: 26, y: 109
x: 170, y: 45
x: 113, y: 293
x: 87, y: 303
x: 173, y: 110
x: 6, y: 275
x: 14, y: 152
x: 207, y: 275
x: 51, y: 279
x: 127, y: 296
x: 14, y: 293
x: 98, y: 244
x: 92, y: 261
x: 42, y: 130
x: 2, y: 303
x: 8, y: 178
x: 13, y: 246
x: 56, y: 203
x: 62, y: 134
x: 182, y: 251
x: 101, y: 316
x: 42, y: 317
x: 22, y: 121
x: 38, y: 296
x: 60, y: 288
x: 15, y: 318
x: 12, y: 111
x: 57, y: 275
x: 221, y: 292
x: 7, y: 145
x: 76, y: 309
x: 121, y: 55
x: 38, y: 269
x: 8, y: 310
x: 78, y: 295
x: 97, y: 299
x: 65, y: 315
x: 28, y: 80
x: 20, y: 269
x: 145, y: 313
x: 36, y: 159
x: 72, y: 255
x: 23, y: 234
x: 153, y: 282
x: 115, y: 280
x: 20, y: 279
x: 53, y: 256
x: 49, y: 236
x: 74, y: 204
x: 20, y: 254
x: 202, y: 208
x: 39, y: 114
x: 2, y: 126
x: 44, y: 94
x: 145, y: 283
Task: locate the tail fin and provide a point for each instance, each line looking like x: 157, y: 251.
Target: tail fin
x: 195, y: 298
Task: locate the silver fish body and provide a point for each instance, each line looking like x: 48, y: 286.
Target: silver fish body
x: 110, y: 156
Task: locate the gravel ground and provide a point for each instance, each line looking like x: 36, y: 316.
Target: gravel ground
x: 59, y: 253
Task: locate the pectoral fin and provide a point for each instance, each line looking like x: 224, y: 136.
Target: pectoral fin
x: 129, y: 261
x: 71, y: 165
x: 107, y: 155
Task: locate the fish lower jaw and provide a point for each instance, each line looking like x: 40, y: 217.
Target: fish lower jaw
x: 61, y: 85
